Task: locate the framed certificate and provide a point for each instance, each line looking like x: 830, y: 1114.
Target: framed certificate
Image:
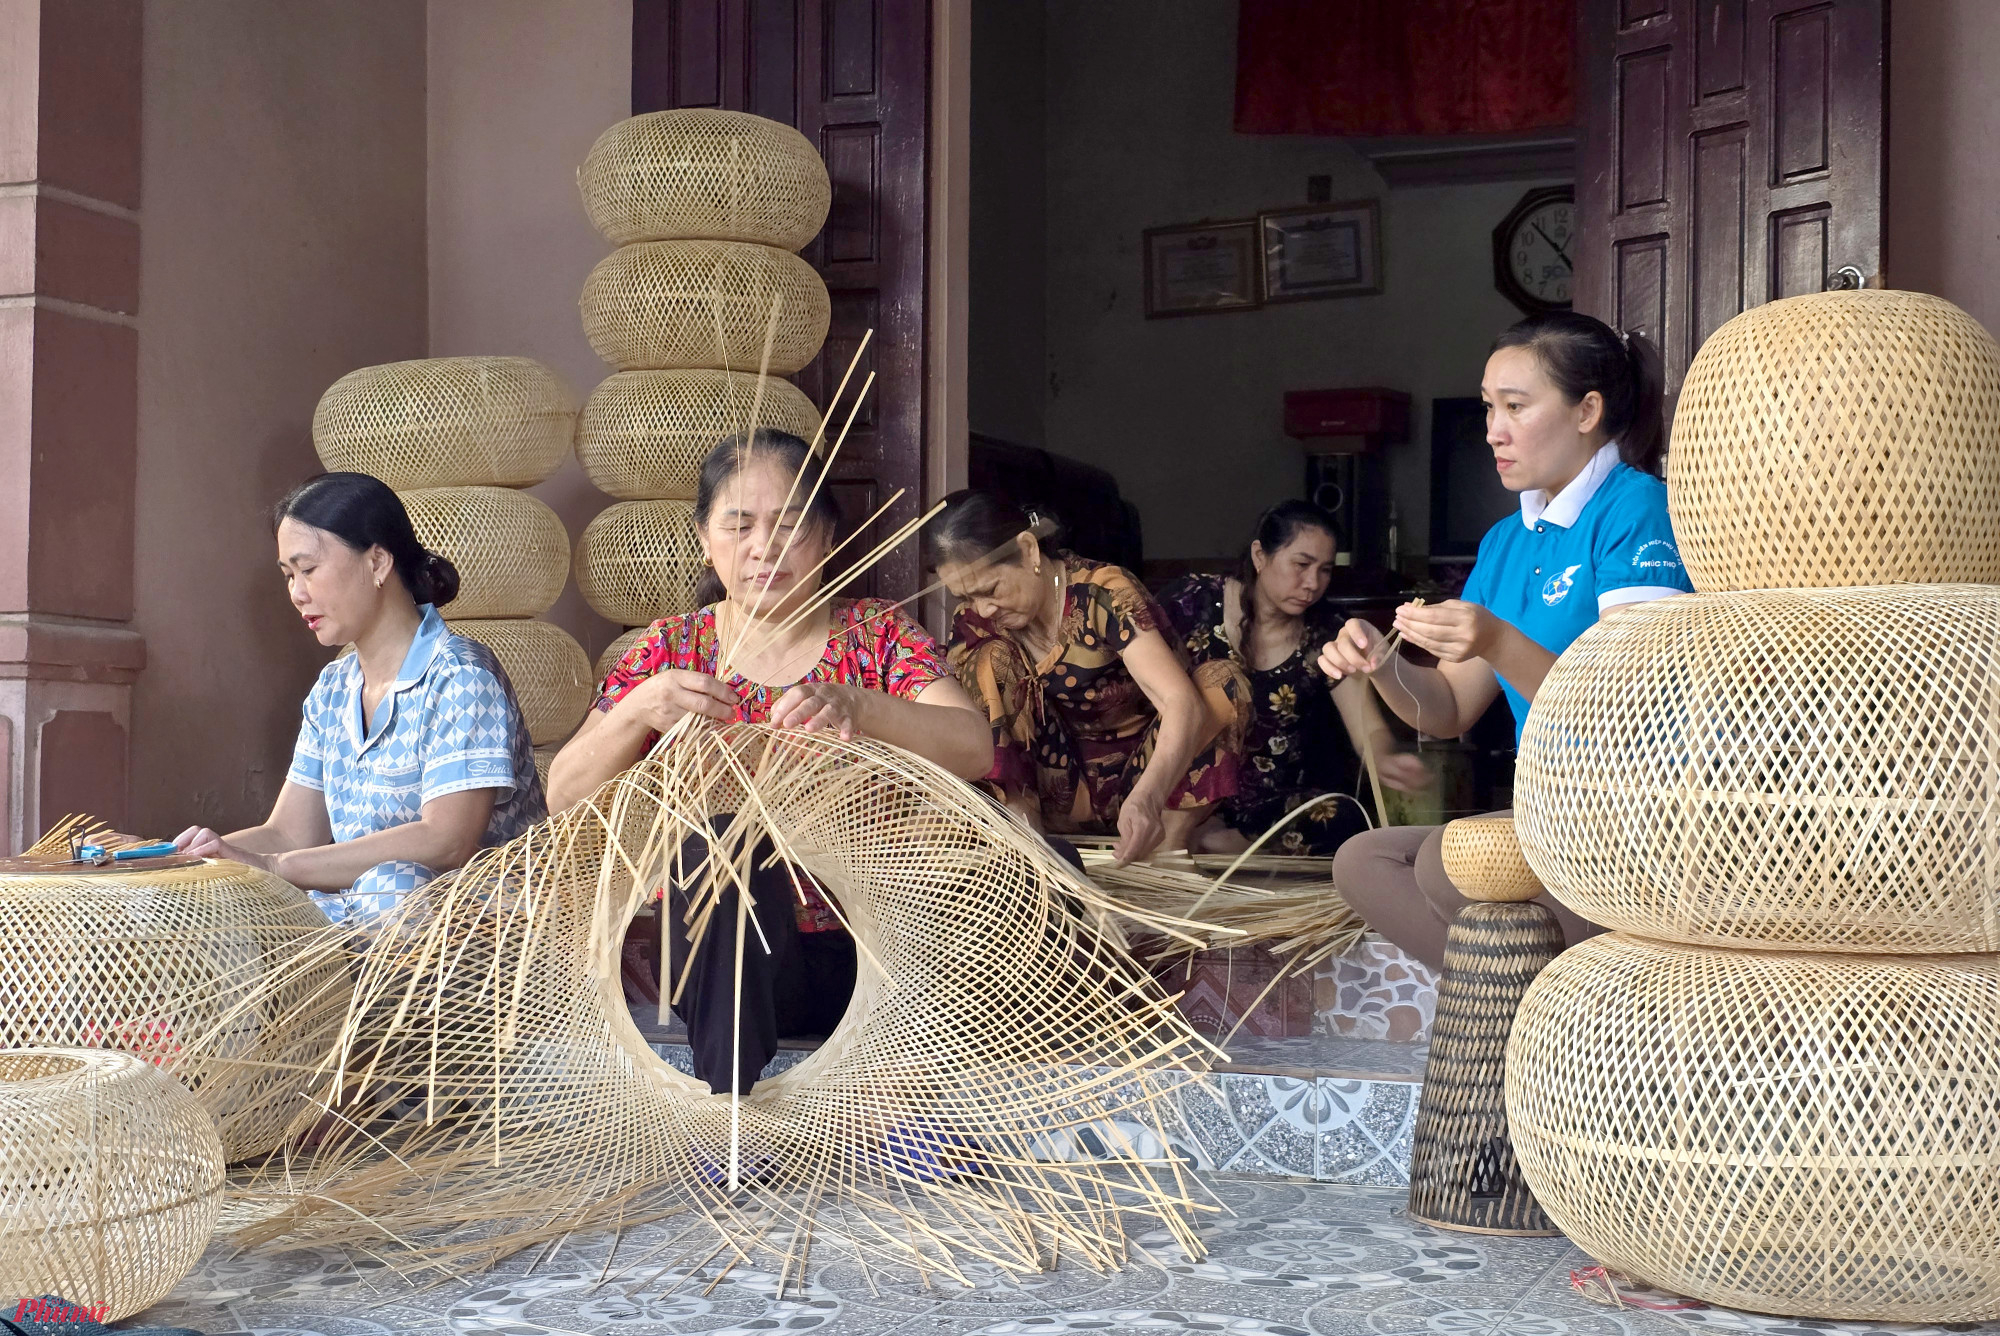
x: 1324, y: 250
x: 1200, y: 268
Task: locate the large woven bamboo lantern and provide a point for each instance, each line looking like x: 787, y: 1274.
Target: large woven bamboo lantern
x: 1813, y: 768
x: 199, y: 969
x: 549, y: 671
x: 662, y: 305
x: 1841, y: 438
x: 705, y: 174
x: 511, y: 550
x: 111, y: 1178
x: 447, y: 421
x: 643, y: 434
x: 1810, y: 1132
x: 1798, y: 1133
x: 639, y: 561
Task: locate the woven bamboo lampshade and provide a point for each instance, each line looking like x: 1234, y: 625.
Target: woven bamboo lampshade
x: 448, y: 422
x: 111, y: 1178
x: 665, y: 305
x: 1815, y: 768
x: 549, y: 671
x: 1482, y: 856
x: 701, y: 172
x: 639, y: 561
x: 993, y: 1005
x: 1808, y: 1134
x: 615, y: 651
x: 511, y: 551
x: 643, y: 434
x: 1840, y: 438
x: 192, y: 967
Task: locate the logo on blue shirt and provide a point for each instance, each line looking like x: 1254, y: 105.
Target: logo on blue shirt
x: 1558, y: 587
x: 1655, y: 553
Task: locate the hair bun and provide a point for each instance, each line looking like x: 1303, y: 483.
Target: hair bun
x: 440, y: 578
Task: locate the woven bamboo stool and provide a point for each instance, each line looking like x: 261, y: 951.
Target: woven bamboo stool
x: 1462, y: 1170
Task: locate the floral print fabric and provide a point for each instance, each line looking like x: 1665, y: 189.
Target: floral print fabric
x: 1296, y: 748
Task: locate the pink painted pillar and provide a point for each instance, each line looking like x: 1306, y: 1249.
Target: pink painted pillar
x: 69, y: 347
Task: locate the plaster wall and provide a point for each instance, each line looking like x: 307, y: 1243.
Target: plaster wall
x: 1944, y: 176
x: 517, y: 92
x: 282, y: 245
x: 1186, y: 412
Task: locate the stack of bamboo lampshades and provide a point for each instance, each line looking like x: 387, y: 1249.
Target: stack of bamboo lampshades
x: 1774, y: 1084
x: 458, y: 438
x: 708, y: 210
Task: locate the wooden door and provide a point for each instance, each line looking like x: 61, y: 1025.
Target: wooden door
x: 1731, y: 154
x: 854, y: 77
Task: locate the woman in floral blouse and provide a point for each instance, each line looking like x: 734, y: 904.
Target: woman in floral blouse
x: 1307, y: 735
x: 1097, y: 723
x: 860, y: 668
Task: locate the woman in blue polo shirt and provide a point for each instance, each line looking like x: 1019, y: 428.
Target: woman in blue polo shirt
x: 1573, y: 416
x: 412, y: 755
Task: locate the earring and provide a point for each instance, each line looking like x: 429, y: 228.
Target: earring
x: 707, y: 562
x: 378, y: 582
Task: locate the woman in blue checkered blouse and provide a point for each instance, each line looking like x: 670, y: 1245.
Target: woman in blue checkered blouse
x: 412, y: 753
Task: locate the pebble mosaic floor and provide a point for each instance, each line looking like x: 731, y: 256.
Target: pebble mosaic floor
x: 1286, y: 1259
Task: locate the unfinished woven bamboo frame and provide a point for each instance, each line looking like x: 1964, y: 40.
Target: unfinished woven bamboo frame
x: 111, y: 1177
x: 639, y: 561
x: 549, y: 671
x: 1839, y: 438
x: 195, y: 968
x: 1483, y: 858
x: 615, y: 651
x: 704, y: 173
x: 511, y: 551
x: 669, y: 305
x: 1809, y: 1134
x: 643, y: 434
x: 1815, y: 768
x: 992, y: 1009
x: 448, y: 422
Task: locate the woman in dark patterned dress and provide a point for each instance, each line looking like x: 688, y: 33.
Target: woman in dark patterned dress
x: 1097, y: 724
x: 1307, y: 734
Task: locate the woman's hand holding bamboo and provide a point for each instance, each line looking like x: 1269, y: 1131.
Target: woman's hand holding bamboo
x: 663, y: 699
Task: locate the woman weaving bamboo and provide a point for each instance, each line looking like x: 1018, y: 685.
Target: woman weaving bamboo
x: 1096, y: 721
x: 1307, y: 734
x: 857, y: 667
x: 412, y: 754
x: 1573, y: 416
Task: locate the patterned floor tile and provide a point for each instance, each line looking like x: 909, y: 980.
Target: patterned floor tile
x: 1285, y: 1257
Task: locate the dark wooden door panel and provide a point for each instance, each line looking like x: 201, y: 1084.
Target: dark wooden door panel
x: 854, y: 77
x: 1732, y: 154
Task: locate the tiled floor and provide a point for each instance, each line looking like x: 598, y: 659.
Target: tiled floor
x: 1286, y: 1259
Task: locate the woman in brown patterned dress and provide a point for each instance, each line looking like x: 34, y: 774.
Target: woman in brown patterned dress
x: 1097, y: 724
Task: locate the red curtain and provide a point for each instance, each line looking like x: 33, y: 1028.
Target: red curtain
x: 1404, y: 67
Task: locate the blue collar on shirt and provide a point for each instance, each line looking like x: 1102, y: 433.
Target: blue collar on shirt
x: 1562, y: 510
x: 424, y: 647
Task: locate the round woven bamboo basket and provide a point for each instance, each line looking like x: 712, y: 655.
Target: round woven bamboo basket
x: 700, y: 172
x: 448, y: 422
x: 1817, y: 768
x: 1482, y: 856
x: 511, y: 551
x: 1463, y: 1173
x: 1813, y: 1135
x: 195, y: 968
x: 639, y: 561
x: 667, y: 305
x: 111, y: 1179
x: 643, y: 434
x: 1840, y: 438
x: 615, y: 651
x: 549, y: 671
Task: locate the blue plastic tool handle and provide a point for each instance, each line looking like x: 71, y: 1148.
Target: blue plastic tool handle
x: 93, y: 852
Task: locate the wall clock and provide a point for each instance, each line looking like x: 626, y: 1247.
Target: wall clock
x: 1532, y: 251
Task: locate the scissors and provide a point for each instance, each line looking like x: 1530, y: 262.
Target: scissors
x: 96, y: 855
